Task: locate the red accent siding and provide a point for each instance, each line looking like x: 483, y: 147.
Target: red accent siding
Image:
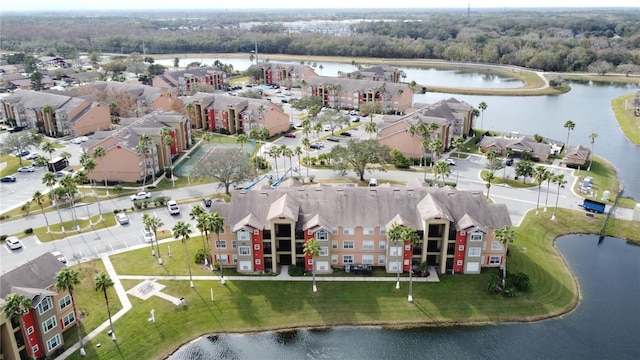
x: 406, y: 256
x: 258, y: 251
x: 211, y: 119
x: 459, y: 255
x: 307, y: 237
x: 174, y: 145
x: 30, y: 320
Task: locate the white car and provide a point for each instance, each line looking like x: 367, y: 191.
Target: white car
x: 76, y: 140
x: 122, y: 218
x: 173, y: 207
x: 148, y: 235
x: 450, y: 161
x: 13, y: 242
x: 59, y: 256
x: 27, y: 169
x: 32, y: 156
x: 140, y: 196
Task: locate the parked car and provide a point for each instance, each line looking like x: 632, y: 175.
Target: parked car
x: 173, y: 207
x: 13, y: 242
x: 27, y: 169
x: 61, y: 173
x: 148, y: 235
x: 327, y: 128
x: 9, y: 178
x: 509, y: 162
x: 32, y: 156
x: 24, y: 152
x: 373, y: 182
x: 59, y: 256
x: 356, y: 119
x: 333, y: 139
x: 450, y: 161
x: 207, y: 202
x: 345, y: 133
x: 77, y: 140
x: 16, y: 129
x: 290, y: 135
x: 316, y: 146
x: 122, y: 218
x: 284, y: 101
x: 140, y: 196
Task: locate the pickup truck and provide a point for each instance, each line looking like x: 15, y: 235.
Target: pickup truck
x: 593, y: 206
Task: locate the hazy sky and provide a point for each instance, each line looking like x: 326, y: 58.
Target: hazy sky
x: 28, y: 5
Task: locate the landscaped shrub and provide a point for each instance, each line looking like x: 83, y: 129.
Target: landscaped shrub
x: 296, y: 271
x: 3, y: 237
x: 28, y: 231
x: 115, y: 211
x: 200, y: 256
x: 519, y: 281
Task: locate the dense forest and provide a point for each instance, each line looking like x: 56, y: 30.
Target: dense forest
x: 550, y: 40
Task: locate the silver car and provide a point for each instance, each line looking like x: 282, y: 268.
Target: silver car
x: 148, y: 235
x: 122, y: 218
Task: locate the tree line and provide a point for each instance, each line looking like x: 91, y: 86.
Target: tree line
x: 549, y: 41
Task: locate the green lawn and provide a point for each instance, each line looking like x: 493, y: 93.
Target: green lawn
x: 13, y: 164
x: 260, y: 305
x: 629, y: 123
x: 56, y: 229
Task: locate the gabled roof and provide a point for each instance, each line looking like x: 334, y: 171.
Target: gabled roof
x: 430, y: 208
x: 317, y: 221
x: 251, y: 221
x: 357, y: 85
x: 522, y: 143
x: 284, y: 206
x: 39, y: 273
x: 578, y: 152
x: 36, y: 295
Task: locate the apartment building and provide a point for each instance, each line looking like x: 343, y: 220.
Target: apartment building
x: 39, y: 332
x: 122, y: 162
x: 55, y: 114
x: 284, y: 74
x: 235, y: 114
x: 139, y: 99
x: 181, y: 82
x: 344, y: 93
x: 375, y: 73
x: 453, y: 117
x: 266, y: 228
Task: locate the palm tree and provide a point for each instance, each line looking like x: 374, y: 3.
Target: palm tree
x: 274, y: 152
x: 143, y: 149
x: 195, y: 215
x: 539, y: 174
x: 548, y: 178
x: 89, y: 165
x: 436, y: 147
x: 49, y: 148
x: 182, y: 230
x: 298, y: 151
x: 482, y: 107
x: 99, y: 152
x: 371, y: 128
x: 488, y: 177
x: 458, y: 144
x: 49, y: 179
x: 167, y: 141
x: 16, y: 307
x: 312, y: 249
x: 410, y: 236
x: 592, y: 139
x: 39, y: 199
x: 242, y: 139
x: 66, y: 279
x: 203, y: 223
x: 66, y: 155
x: 153, y: 223
x: 216, y: 224
x: 103, y: 282
x: 506, y: 236
x: 569, y: 125
x: 68, y: 184
x: 306, y: 143
x: 394, y: 234
x: 558, y: 179
x: 443, y: 169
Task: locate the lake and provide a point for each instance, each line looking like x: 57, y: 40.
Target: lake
x: 605, y: 325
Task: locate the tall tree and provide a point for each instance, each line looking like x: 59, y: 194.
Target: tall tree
x: 16, y: 306
x: 67, y: 279
x: 39, y: 199
x: 488, y: 177
x: 102, y: 283
x: 143, y: 149
x: 216, y: 225
x: 442, y: 169
x: 89, y: 165
x: 69, y: 186
x: 242, y: 139
x: 482, y: 107
x: 548, y: 178
x: 458, y: 144
x: 99, y: 153
x: 539, y: 175
x: 182, y: 231
x: 228, y: 167
x: 360, y: 156
x: 394, y: 235
x: 312, y: 249
x: 274, y: 152
x: 49, y: 179
x: 371, y: 128
x: 49, y: 148
x: 560, y: 181
x: 17, y: 143
x: 410, y: 236
x: 153, y: 223
x: 569, y: 125
x: 592, y: 140
x: 506, y: 236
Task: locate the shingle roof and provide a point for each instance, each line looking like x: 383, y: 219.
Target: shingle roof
x: 39, y: 273
x: 354, y: 85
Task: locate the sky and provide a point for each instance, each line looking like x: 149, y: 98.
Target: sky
x: 38, y: 5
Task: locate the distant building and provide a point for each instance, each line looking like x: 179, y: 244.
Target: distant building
x: 284, y: 74
x: 181, y: 82
x: 375, y: 73
x: 517, y: 145
x: 577, y: 155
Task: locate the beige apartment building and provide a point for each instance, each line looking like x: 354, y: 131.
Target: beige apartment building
x: 181, y: 82
x: 284, y: 74
x: 267, y: 228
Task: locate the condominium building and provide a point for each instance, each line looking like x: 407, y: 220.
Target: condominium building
x: 267, y: 228
x: 181, y: 82
x: 284, y: 74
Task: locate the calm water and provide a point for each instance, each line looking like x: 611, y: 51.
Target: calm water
x: 606, y: 324
x: 587, y: 105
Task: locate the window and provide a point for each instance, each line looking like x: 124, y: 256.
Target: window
x: 459, y: 262
x: 322, y: 236
x: 348, y: 244
x: 244, y: 250
x: 494, y: 260
x: 367, y: 245
x: 245, y: 265
x: 256, y: 247
x: 45, y: 305
x: 222, y: 244
x: 67, y: 320
x: 35, y: 348
x: 334, y: 259
x: 30, y: 330
x: 461, y: 248
x: 474, y: 251
x: 463, y: 232
x: 395, y: 250
x: 347, y: 259
x: 222, y: 259
x: 258, y: 261
x: 383, y: 230
x: 309, y: 261
x: 334, y: 244
x: 334, y: 230
x: 234, y: 244
x: 394, y: 265
x: 367, y: 259
x: 382, y: 245
x: 243, y: 235
x: 324, y: 250
x: 348, y: 231
x: 496, y: 245
x: 234, y: 257
x: 381, y: 259
x: 64, y: 302
x: 476, y: 237
x: 368, y: 230
x: 49, y: 324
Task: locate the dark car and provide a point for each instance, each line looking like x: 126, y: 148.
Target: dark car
x: 207, y: 202
x: 290, y: 135
x: 316, y: 146
x: 333, y: 138
x: 9, y: 178
x: 509, y: 162
x: 345, y: 133
x: 284, y: 101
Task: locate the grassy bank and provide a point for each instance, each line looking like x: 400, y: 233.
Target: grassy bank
x: 629, y: 123
x: 243, y: 306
